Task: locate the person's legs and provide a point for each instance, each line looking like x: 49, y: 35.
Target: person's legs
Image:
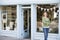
x: 45, y: 30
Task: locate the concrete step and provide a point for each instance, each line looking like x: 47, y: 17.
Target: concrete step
x: 25, y: 39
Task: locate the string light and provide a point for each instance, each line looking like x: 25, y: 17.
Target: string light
x: 51, y: 9
x: 38, y: 6
x: 54, y: 8
x: 46, y: 8
x: 42, y: 9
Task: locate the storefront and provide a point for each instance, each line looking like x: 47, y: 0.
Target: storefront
x: 23, y: 19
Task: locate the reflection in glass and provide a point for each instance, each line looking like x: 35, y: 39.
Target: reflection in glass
x: 53, y: 17
x: 27, y: 21
x: 9, y: 17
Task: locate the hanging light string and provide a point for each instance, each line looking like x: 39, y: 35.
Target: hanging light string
x: 47, y: 9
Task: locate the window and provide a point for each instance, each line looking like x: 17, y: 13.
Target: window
x: 53, y: 16
x: 9, y: 17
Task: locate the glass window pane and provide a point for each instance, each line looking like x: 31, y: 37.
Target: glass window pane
x: 9, y: 17
x: 52, y: 16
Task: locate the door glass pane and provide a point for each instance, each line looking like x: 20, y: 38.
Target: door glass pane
x: 52, y: 16
x: 27, y: 22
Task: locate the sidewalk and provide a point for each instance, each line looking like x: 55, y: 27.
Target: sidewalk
x: 10, y: 38
x: 25, y: 39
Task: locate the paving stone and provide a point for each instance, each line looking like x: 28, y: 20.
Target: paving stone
x: 10, y: 38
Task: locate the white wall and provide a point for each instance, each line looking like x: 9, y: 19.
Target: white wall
x: 15, y: 2
x: 12, y: 2
x: 8, y: 33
